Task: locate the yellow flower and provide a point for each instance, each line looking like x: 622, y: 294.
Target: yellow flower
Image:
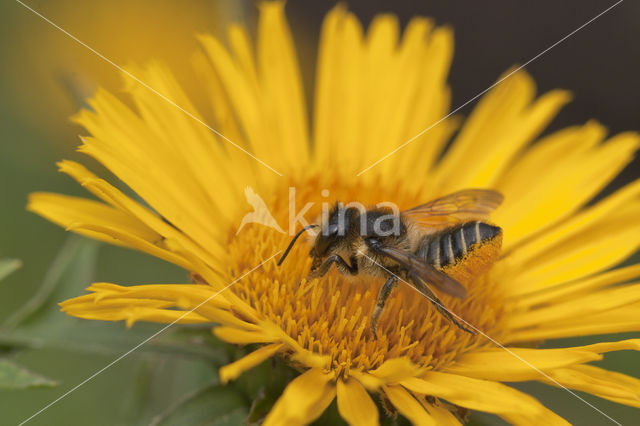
x: 374, y: 91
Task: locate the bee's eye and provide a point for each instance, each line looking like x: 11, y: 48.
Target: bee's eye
x: 372, y: 241
x: 331, y: 230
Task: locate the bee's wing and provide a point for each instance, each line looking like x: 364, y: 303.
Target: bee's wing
x: 421, y: 270
x: 468, y: 204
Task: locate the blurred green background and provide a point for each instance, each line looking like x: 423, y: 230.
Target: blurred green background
x: 599, y: 65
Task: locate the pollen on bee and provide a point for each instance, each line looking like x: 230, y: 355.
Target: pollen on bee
x: 476, y: 262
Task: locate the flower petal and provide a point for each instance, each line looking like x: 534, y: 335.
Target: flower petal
x: 409, y: 406
x: 575, y: 307
x: 576, y: 175
x: 518, y: 364
x: 430, y: 101
x: 303, y: 400
x: 381, y: 86
x: 483, y: 395
x: 109, y: 194
x: 198, y: 147
x: 620, y: 320
x: 395, y: 369
x: 419, y: 97
x: 579, y: 287
x: 243, y: 92
x: 281, y: 83
x: 442, y: 415
x: 521, y: 119
x: 183, y: 295
x: 339, y: 90
x: 133, y: 313
x: 112, y: 302
x: 602, y: 245
x: 354, y: 403
x: 102, y: 222
x: 241, y: 337
x: 124, y: 144
x: 233, y: 370
x: 605, y: 384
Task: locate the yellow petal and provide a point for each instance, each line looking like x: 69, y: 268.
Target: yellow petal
x: 579, y: 287
x: 592, y: 303
x: 571, y: 228
x: 240, y: 44
x: 243, y: 93
x: 114, y: 303
x: 381, y: 88
x: 134, y: 313
x: 620, y: 320
x: 600, y: 246
x: 280, y: 83
x: 429, y: 65
x: 483, y: 395
x: 575, y: 176
x: 108, y: 193
x: 132, y: 151
x: 67, y: 210
x: 355, y: 405
x: 442, y: 415
x: 369, y: 381
x: 606, y: 384
x: 419, y: 126
x: 242, y: 337
x: 233, y: 370
x: 621, y: 345
x: 485, y: 145
x: 518, y: 364
x: 185, y: 295
x: 408, y: 406
x: 555, y: 147
x: 303, y: 400
x: 339, y: 91
x: 97, y: 220
x: 223, y: 117
x: 395, y: 369
x: 198, y: 147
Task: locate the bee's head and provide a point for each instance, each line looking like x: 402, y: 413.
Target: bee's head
x: 334, y: 232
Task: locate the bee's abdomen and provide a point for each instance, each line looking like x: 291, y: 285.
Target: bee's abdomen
x: 449, y: 246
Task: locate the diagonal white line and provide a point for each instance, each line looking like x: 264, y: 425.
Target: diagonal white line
x: 491, y: 87
x: 148, y: 87
x: 500, y: 345
x: 142, y: 343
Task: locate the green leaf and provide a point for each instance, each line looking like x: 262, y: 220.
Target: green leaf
x: 264, y: 385
x: 39, y: 322
x: 8, y: 266
x: 262, y: 404
x: 160, y: 382
x: 233, y: 418
x: 71, y: 271
x: 210, y: 405
x: 13, y: 376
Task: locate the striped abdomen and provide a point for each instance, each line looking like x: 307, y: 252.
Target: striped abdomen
x: 447, y: 247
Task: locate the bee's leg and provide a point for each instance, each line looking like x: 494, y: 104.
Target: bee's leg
x: 383, y: 295
x: 426, y: 291
x: 341, y: 265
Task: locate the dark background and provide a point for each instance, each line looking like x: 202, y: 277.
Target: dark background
x: 599, y: 64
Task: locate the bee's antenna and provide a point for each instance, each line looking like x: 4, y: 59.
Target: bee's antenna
x: 286, y: 252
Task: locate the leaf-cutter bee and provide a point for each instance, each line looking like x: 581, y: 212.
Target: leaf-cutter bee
x: 444, y: 243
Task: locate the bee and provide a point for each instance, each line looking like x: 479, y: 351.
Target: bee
x: 445, y: 244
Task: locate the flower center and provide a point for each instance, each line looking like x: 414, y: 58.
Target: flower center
x: 331, y: 315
